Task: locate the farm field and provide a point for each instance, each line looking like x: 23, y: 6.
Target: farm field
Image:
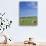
x: 28, y: 20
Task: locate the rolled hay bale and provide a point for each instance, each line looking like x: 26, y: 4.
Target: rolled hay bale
x: 34, y: 22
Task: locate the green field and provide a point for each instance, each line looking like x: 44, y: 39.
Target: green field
x: 28, y: 21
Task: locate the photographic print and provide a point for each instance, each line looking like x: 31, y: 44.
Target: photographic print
x: 28, y: 13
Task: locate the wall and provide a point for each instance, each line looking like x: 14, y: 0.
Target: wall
x: 19, y: 33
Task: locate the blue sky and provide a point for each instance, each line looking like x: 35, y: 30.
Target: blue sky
x: 28, y: 9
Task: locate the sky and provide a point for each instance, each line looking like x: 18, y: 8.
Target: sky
x: 28, y: 9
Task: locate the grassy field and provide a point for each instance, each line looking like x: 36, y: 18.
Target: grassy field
x: 28, y: 21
